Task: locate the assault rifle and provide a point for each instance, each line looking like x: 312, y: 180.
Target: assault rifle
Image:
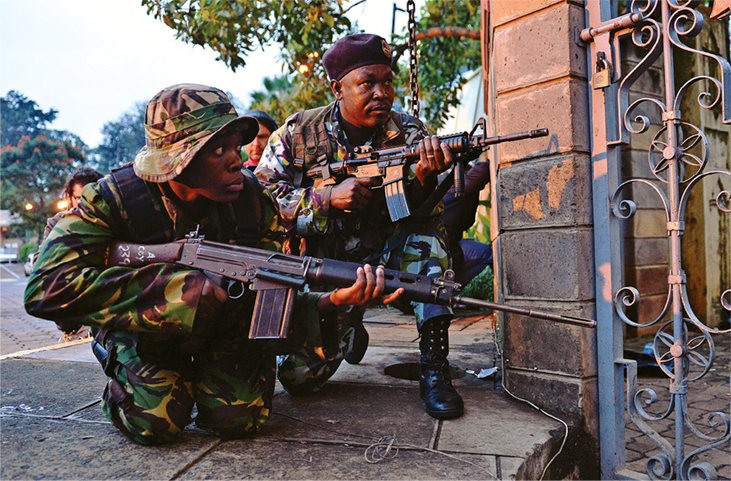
x: 391, y: 164
x: 276, y: 278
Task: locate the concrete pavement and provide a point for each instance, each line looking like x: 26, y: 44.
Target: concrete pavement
x: 51, y: 425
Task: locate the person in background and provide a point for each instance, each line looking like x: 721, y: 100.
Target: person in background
x: 71, y: 194
x: 469, y: 257
x: 267, y: 125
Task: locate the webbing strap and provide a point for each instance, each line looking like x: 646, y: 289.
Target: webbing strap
x: 144, y: 222
x: 310, y: 142
x: 249, y: 212
x: 397, y: 241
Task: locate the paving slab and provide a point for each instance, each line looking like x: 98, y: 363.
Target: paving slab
x: 494, y: 424
x: 48, y: 388
x: 258, y: 459
x: 353, y: 412
x: 38, y: 448
x: 52, y: 426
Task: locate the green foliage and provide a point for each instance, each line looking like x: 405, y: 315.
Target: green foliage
x: 282, y: 97
x: 304, y: 29
x: 121, y: 139
x: 34, y: 173
x: 25, y: 250
x: 233, y: 28
x: 22, y: 117
x: 443, y: 61
x: 480, y: 230
x: 481, y: 286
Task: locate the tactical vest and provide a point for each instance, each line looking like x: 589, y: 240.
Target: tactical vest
x: 142, y: 216
x: 311, y: 142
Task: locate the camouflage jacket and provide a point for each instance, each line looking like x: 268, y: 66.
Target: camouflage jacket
x: 306, y: 210
x: 72, y: 284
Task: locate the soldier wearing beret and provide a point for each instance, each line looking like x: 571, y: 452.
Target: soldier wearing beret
x: 349, y: 221
x: 168, y: 336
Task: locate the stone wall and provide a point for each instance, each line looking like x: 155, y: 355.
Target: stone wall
x: 543, y: 224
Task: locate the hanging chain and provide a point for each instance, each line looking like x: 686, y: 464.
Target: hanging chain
x: 413, y: 68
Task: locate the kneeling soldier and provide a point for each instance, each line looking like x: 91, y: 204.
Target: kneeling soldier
x: 169, y: 337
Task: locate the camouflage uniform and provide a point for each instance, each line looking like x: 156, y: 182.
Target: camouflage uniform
x: 329, y: 232
x: 159, y: 363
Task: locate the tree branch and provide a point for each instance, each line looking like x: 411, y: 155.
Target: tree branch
x: 354, y: 5
x: 435, y: 32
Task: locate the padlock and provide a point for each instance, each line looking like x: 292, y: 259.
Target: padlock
x: 602, y: 77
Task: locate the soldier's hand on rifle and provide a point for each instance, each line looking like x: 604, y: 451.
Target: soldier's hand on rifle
x: 434, y: 157
x: 212, y: 298
x: 367, y: 290
x: 352, y: 193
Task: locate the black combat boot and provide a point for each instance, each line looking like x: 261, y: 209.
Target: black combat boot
x: 435, y: 382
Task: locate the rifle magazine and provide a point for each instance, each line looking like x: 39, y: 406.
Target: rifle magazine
x: 398, y: 205
x: 272, y: 313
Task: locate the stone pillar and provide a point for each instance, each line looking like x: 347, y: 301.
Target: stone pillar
x: 543, y: 202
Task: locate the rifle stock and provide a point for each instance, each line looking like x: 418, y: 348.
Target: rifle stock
x: 276, y: 278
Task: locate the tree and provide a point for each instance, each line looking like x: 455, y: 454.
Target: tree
x: 444, y: 59
x: 22, y: 117
x: 282, y: 97
x: 304, y: 29
x: 121, y: 139
x: 34, y: 160
x: 33, y: 176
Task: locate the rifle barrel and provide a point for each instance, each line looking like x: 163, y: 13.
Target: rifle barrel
x: 530, y: 134
x: 566, y: 319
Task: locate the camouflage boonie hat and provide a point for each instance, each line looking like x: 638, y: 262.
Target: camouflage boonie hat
x: 179, y: 120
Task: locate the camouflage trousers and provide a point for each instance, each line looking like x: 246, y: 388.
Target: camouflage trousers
x: 424, y: 252
x: 154, y: 385
x: 155, y: 381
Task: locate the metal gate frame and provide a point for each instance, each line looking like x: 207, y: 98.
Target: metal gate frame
x: 673, y: 149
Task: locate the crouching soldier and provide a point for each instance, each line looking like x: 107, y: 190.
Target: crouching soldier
x: 169, y: 337
x: 350, y: 222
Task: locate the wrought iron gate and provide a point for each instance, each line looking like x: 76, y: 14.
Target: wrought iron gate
x: 684, y: 346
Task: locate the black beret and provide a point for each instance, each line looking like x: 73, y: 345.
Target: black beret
x: 263, y: 118
x: 354, y: 51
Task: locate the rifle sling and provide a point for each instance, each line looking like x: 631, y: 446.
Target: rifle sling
x: 397, y: 241
x: 140, y: 224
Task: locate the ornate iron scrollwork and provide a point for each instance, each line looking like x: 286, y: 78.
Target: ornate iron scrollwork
x: 678, y: 156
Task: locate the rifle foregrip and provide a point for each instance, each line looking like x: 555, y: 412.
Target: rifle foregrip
x: 458, y: 179
x: 416, y: 287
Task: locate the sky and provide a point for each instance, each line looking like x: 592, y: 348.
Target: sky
x: 93, y: 59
